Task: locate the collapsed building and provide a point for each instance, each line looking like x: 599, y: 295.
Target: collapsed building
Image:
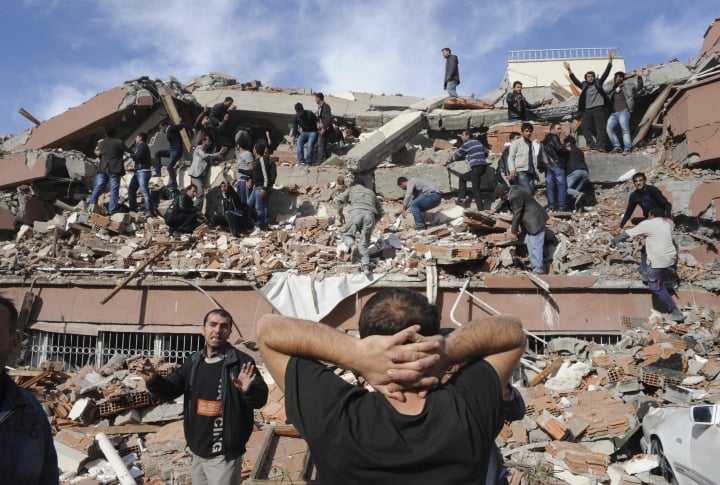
x: 92, y: 288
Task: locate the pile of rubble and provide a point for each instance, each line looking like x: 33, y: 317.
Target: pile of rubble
x: 584, y: 400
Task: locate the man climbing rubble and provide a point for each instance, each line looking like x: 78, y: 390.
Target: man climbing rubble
x: 661, y: 256
x: 474, y: 152
x: 365, y: 211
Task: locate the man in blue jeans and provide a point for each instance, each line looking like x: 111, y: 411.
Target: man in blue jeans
x: 420, y: 196
x: 111, y: 152
x: 530, y: 215
x: 452, y: 72
x: 141, y: 177
x: 622, y: 102
x: 174, y: 152
x: 556, y: 163
x: 304, y: 132
x: 577, y: 172
x: 661, y: 256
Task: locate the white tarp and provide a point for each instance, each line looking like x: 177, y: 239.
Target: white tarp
x: 299, y: 296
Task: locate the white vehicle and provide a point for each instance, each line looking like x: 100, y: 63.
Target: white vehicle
x: 687, y: 442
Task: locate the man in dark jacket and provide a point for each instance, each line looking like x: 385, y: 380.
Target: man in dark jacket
x: 219, y: 110
x: 577, y: 172
x: 141, y: 177
x: 324, y: 126
x: 221, y: 387
x: 174, y: 151
x: 181, y: 216
x: 224, y: 208
x: 530, y: 215
x: 593, y: 105
x: 519, y: 107
x: 264, y: 173
x: 647, y: 197
x: 304, y: 132
x: 452, y: 72
x: 555, y: 163
x: 27, y: 453
x: 111, y: 152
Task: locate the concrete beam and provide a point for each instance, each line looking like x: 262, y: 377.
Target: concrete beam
x: 23, y: 168
x: 388, y: 139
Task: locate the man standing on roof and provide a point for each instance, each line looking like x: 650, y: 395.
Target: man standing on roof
x: 452, y: 72
x: 141, y: 177
x: 221, y: 387
x: 593, y: 104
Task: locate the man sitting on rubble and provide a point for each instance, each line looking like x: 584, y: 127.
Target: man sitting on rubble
x: 474, y: 152
x: 224, y: 208
x: 221, y: 387
x: 661, y: 254
x: 365, y: 211
x: 530, y: 215
x: 411, y: 430
x: 420, y: 196
x: 27, y: 451
x: 182, y: 216
x: 577, y: 172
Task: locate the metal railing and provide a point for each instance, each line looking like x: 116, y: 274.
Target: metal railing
x: 560, y: 54
x: 77, y: 351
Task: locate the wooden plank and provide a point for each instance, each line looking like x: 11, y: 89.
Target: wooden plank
x: 552, y: 367
x: 172, y: 111
x: 651, y: 114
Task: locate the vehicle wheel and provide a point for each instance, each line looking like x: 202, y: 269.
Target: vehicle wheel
x: 664, y: 467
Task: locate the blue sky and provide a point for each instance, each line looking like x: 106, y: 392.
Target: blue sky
x: 66, y: 51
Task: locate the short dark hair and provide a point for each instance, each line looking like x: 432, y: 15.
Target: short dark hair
x: 260, y: 148
x: 401, y: 180
x: 515, y: 134
x: 553, y: 125
x: 191, y: 186
x: 501, y: 190
x: 320, y: 95
x: 621, y: 74
x: 468, y: 132
x: 517, y: 83
x: 590, y: 72
x: 165, y: 122
x: 639, y: 175
x: 393, y: 309
x: 217, y: 311
x: 110, y: 132
x: 446, y: 49
x: 12, y: 311
x: 527, y: 126
x: 142, y: 135
x: 208, y: 135
x: 299, y: 107
x: 228, y: 98
x: 570, y: 139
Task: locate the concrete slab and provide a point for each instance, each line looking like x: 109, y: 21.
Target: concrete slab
x: 22, y: 168
x: 606, y: 168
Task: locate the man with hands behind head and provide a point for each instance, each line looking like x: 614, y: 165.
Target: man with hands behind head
x: 412, y: 430
x: 221, y: 388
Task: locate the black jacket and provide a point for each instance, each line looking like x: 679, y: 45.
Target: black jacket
x: 584, y: 85
x: 141, y: 156
x: 216, y: 205
x: 452, y: 72
x: 259, y: 178
x: 237, y: 407
x: 649, y: 198
x: 555, y: 152
x: 111, y: 155
x: 527, y: 212
x: 576, y: 160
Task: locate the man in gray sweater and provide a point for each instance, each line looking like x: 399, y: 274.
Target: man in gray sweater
x: 365, y: 211
x: 420, y: 196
